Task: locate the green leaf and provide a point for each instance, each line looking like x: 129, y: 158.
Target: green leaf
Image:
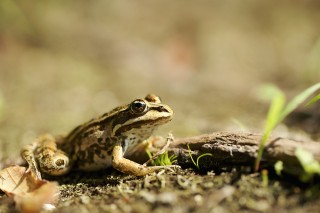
x: 205, y: 154
x: 274, y: 113
x: 299, y: 99
x: 275, y: 110
x: 313, y: 100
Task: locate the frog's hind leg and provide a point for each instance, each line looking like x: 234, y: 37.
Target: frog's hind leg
x: 43, y: 155
x: 28, y: 154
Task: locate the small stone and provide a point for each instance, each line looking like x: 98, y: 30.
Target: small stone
x: 85, y: 199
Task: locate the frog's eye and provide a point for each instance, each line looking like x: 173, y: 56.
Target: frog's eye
x: 138, y: 106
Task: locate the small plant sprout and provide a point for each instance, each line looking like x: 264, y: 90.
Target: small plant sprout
x: 198, y: 158
x: 310, y: 166
x: 313, y: 100
x: 278, y: 111
x: 265, y: 178
x: 163, y: 159
x: 278, y: 167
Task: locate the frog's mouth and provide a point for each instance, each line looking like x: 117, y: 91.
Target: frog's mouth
x: 141, y: 125
x: 157, y: 114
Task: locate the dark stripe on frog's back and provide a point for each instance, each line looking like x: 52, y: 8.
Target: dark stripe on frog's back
x: 100, y: 121
x: 122, y: 114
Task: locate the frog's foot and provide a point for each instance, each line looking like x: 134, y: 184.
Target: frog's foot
x: 27, y: 154
x: 169, y: 140
x: 35, y: 174
x: 130, y: 167
x: 43, y: 155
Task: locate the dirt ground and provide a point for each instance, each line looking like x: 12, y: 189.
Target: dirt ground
x: 187, y: 190
x: 184, y: 190
x: 62, y: 64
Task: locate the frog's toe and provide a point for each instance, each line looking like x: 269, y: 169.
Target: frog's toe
x: 34, y: 173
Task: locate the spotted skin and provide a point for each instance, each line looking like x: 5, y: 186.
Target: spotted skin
x: 100, y: 143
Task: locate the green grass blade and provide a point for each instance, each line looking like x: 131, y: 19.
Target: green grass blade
x: 173, y: 158
x: 277, y: 112
x: 276, y: 107
x: 313, y: 100
x: 190, y: 155
x: 299, y: 99
x: 205, y: 154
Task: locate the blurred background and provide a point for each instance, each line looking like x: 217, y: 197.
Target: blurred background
x: 65, y: 62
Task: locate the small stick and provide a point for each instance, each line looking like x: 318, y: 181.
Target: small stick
x: 240, y: 148
x: 169, y: 140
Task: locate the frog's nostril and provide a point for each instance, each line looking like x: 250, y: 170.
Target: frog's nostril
x: 59, y: 162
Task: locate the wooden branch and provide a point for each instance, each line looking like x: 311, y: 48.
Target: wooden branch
x: 230, y: 149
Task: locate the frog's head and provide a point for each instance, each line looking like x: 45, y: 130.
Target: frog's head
x: 141, y: 117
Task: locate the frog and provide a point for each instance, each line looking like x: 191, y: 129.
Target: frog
x: 101, y: 142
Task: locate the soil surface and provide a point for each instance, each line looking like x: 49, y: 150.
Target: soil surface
x: 183, y: 190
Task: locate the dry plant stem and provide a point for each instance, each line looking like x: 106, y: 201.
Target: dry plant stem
x: 229, y: 148
x: 169, y: 140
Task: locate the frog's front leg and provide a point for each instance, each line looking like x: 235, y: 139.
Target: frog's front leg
x: 43, y: 156
x: 130, y: 167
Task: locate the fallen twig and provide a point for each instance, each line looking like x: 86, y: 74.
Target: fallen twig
x: 229, y: 148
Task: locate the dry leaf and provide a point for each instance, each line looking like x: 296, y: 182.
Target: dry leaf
x: 15, y: 180
x: 30, y: 194
x: 34, y: 201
